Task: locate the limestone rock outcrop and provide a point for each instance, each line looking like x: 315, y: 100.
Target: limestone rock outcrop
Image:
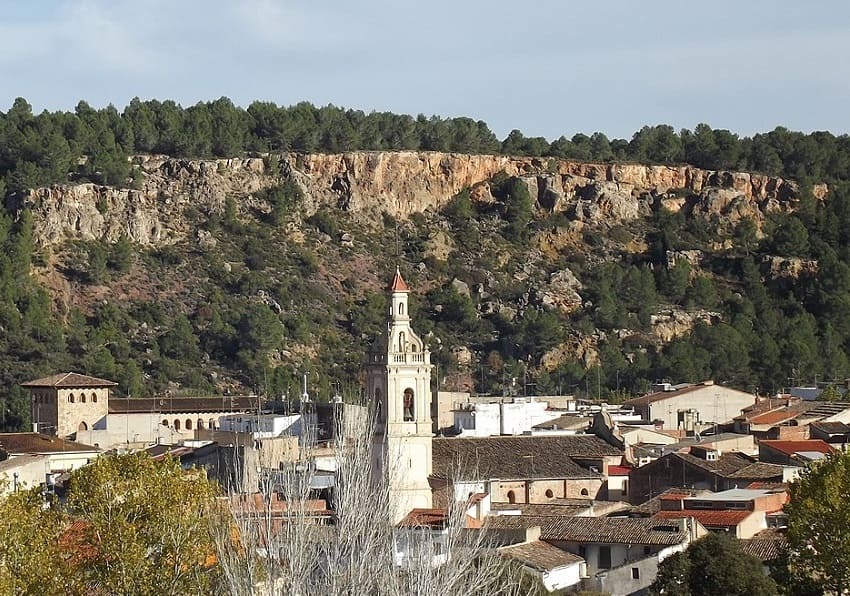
x: 367, y: 184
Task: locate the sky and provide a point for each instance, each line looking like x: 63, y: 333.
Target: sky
x: 546, y: 67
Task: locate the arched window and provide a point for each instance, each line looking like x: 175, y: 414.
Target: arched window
x: 212, y: 424
x: 188, y: 424
x: 176, y: 424
x: 511, y: 497
x: 82, y: 398
x: 165, y: 422
x: 94, y: 398
x: 200, y: 423
x: 584, y: 492
x: 409, y: 406
x: 401, y: 308
x: 549, y: 493
x: 70, y: 398
x: 82, y: 426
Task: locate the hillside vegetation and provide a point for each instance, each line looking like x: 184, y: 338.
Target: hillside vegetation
x: 539, y: 277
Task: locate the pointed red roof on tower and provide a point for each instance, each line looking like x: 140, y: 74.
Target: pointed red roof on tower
x: 398, y: 284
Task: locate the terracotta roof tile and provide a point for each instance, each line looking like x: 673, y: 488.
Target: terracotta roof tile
x: 518, y: 457
x: 775, y: 417
x: 708, y: 517
x: 792, y: 447
x: 540, y: 555
x: 615, y: 530
x: 69, y: 380
x: 398, y: 284
x: 767, y: 545
x: 39, y: 443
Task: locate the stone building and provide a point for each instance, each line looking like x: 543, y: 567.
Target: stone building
x: 66, y: 403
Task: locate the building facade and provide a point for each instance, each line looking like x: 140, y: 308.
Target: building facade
x: 67, y: 403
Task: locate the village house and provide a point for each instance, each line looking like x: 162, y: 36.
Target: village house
x: 524, y: 469
x: 691, y: 407
x: 703, y: 468
x: 621, y: 555
x: 556, y: 568
x: 740, y: 512
x: 794, y: 453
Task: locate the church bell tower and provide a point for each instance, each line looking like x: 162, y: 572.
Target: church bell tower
x: 398, y: 383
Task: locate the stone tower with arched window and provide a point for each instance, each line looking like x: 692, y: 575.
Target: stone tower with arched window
x: 398, y: 383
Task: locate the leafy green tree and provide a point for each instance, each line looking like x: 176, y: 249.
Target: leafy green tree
x: 819, y: 524
x: 141, y: 543
x: 31, y: 561
x: 710, y: 566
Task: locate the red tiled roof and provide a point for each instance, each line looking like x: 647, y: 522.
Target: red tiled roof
x: 774, y: 417
x: 69, y: 380
x: 398, y: 284
x: 792, y: 447
x: 619, y: 470
x: 424, y: 518
x: 708, y: 517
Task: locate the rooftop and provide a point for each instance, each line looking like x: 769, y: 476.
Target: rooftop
x: 179, y: 405
x: 832, y: 428
x: 708, y: 517
x: 801, y: 446
x: 518, y: 457
x: 38, y: 443
x: 615, y: 530
x: 69, y: 380
x: 539, y: 555
x: 398, y: 284
x: 766, y: 545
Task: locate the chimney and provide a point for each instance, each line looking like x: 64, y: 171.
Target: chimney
x: 35, y: 427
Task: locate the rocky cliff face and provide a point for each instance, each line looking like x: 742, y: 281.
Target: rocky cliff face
x: 174, y: 191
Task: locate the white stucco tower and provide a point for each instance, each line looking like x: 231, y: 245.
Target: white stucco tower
x: 398, y: 383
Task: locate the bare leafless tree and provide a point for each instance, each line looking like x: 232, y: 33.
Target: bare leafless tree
x: 279, y: 548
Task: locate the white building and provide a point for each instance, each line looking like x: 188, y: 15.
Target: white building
x: 515, y: 417
x: 262, y: 426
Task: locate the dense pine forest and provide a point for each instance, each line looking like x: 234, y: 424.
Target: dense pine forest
x: 771, y: 332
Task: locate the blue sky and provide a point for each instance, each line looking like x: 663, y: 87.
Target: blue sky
x: 546, y: 67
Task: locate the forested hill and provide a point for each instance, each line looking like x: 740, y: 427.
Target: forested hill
x: 219, y: 249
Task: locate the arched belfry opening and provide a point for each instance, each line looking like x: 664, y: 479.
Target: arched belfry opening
x: 409, y: 405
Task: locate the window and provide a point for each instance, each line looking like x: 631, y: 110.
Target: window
x: 635, y: 573
x: 200, y: 423
x: 82, y: 398
x: 646, y: 550
x: 511, y: 497
x: 212, y: 424
x: 188, y: 424
x: 625, y: 490
x: 549, y: 493
x: 401, y: 308
x: 165, y: 422
x: 94, y: 398
x: 584, y: 492
x: 409, y: 410
x: 70, y: 398
x: 438, y: 549
x: 176, y: 424
x: 83, y: 426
